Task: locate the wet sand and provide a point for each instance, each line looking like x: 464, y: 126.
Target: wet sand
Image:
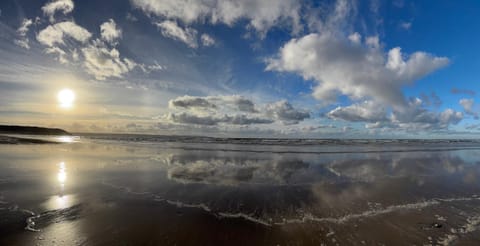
x: 108, y: 192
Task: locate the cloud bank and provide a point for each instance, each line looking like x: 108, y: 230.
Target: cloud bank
x: 232, y: 110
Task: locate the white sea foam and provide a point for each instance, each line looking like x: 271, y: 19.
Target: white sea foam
x: 180, y: 204
x: 31, y: 223
x: 472, y: 224
x: 365, y: 214
x: 14, y: 208
x: 307, y: 217
x: 243, y: 216
x: 56, y: 216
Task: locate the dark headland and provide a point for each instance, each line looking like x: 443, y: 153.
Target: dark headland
x: 31, y: 130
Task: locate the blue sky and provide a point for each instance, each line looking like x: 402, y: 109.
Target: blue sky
x: 357, y: 69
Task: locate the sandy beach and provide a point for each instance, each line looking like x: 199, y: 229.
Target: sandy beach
x: 116, y: 191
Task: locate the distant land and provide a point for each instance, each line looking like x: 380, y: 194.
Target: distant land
x: 31, y: 130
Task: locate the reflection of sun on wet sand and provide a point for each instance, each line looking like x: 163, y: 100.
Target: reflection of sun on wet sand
x: 61, y: 177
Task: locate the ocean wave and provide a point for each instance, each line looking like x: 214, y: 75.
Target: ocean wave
x: 51, y: 216
x: 307, y: 217
x: 275, y: 141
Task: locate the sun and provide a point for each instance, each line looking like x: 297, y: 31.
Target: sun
x: 65, y: 98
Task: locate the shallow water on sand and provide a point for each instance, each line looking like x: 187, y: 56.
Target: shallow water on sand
x: 98, y: 191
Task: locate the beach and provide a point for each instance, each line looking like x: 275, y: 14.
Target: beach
x: 166, y: 190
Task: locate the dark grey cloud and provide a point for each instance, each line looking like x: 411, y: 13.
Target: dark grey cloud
x: 245, y: 105
x: 245, y: 120
x: 186, y: 118
x: 423, y: 119
x: 285, y: 112
x: 235, y: 102
x: 463, y: 91
x: 210, y: 120
x: 417, y: 118
x: 190, y: 102
x: 231, y: 110
x: 431, y: 100
x: 473, y: 127
x: 412, y: 118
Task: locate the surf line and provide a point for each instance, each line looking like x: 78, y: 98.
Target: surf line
x: 307, y: 217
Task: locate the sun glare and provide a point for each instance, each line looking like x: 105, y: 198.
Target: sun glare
x: 62, y: 174
x: 65, y: 98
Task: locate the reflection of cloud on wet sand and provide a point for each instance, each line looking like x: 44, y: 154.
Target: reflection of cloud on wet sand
x: 344, y: 185
x: 397, y: 166
x: 277, y: 169
x: 228, y: 171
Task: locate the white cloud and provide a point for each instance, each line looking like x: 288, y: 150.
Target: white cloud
x: 55, y: 34
x: 172, y: 30
x: 50, y: 8
x: 331, y: 17
x: 75, y: 55
x: 406, y: 25
x: 261, y: 14
x: 50, y: 36
x: 357, y: 71
x: 24, y: 43
x: 149, y: 68
x: 131, y: 17
x: 109, y: 31
x: 367, y: 111
x: 355, y: 38
x: 467, y: 105
x: 99, y: 58
x: 22, y: 31
x: 187, y: 35
x: 207, y: 40
x: 61, y: 54
x: 103, y: 62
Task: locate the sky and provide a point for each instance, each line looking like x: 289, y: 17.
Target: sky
x: 250, y: 68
